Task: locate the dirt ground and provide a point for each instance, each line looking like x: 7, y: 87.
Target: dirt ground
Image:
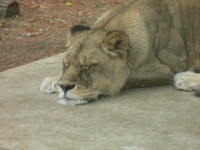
x: 40, y: 30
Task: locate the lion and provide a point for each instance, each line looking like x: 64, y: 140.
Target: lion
x: 136, y: 42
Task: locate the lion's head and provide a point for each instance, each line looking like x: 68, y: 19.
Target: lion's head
x: 95, y: 63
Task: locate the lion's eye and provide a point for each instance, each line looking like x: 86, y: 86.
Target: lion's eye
x: 86, y: 67
x: 86, y: 71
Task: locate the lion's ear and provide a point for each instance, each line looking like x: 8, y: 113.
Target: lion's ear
x: 116, y: 43
x: 83, y: 26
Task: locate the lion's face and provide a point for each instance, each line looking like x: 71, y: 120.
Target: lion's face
x: 95, y: 64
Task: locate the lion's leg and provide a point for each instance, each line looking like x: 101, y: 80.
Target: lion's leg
x: 189, y: 81
x: 50, y: 84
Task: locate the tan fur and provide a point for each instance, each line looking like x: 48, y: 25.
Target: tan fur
x: 138, y: 41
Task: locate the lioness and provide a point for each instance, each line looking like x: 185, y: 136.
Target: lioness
x: 138, y: 41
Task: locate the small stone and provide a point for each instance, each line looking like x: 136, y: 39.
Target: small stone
x: 29, y: 34
x: 80, y: 13
x: 19, y: 38
x: 37, y: 33
x: 4, y: 38
x: 62, y: 20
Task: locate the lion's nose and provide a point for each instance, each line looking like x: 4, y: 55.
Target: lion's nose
x: 66, y: 87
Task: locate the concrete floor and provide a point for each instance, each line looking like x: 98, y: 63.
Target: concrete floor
x: 158, y: 118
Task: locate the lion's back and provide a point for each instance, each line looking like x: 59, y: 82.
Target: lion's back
x: 185, y: 17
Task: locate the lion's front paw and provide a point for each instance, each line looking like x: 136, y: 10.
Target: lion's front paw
x: 72, y: 102
x: 49, y: 85
x: 188, y: 81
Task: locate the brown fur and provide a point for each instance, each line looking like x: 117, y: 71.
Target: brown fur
x: 137, y: 41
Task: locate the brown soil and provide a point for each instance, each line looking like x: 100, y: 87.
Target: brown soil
x: 39, y: 31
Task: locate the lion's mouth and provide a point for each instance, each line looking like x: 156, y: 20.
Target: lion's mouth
x: 65, y: 100
x: 85, y: 99
x: 71, y: 99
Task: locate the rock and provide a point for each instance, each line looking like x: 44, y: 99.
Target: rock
x: 29, y: 34
x: 37, y: 33
x: 4, y: 38
x: 62, y: 20
x: 19, y: 38
x: 81, y: 13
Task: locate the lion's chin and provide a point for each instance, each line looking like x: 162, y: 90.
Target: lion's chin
x: 70, y: 102
x: 73, y: 100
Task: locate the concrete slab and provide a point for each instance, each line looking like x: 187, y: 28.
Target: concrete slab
x: 158, y: 118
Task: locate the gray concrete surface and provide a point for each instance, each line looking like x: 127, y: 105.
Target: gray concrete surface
x: 155, y: 118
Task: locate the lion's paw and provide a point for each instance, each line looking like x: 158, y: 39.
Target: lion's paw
x: 49, y: 85
x: 188, y: 81
x: 72, y: 102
